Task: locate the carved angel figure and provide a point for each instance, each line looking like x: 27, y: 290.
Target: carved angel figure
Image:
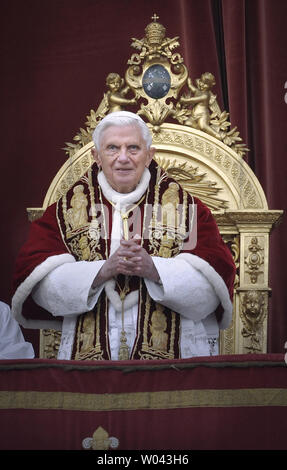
x: 252, y: 314
x: 117, y: 92
x: 202, y: 101
x: 115, y: 98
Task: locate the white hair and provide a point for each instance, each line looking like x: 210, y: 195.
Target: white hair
x: 122, y: 118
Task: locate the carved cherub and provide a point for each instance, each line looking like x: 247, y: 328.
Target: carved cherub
x: 117, y: 92
x: 253, y: 309
x: 253, y: 312
x: 203, y: 101
x: 115, y: 98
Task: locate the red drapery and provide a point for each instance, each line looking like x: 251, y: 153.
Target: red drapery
x: 55, y: 56
x: 224, y: 403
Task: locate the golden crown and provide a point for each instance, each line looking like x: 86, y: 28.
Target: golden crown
x: 155, y: 32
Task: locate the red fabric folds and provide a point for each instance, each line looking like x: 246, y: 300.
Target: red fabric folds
x: 44, y: 240
x: 234, y: 402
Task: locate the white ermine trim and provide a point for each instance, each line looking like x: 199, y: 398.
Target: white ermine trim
x: 67, y: 338
x: 130, y: 300
x: 217, y: 283
x: 25, y: 289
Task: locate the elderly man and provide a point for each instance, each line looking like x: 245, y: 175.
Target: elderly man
x: 119, y: 273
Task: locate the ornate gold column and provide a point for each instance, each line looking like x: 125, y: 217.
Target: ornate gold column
x: 248, y: 332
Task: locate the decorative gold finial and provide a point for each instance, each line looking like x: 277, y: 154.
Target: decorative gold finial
x: 155, y: 17
x: 100, y: 441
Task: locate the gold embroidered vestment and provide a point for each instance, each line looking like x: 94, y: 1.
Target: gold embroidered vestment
x: 162, y: 220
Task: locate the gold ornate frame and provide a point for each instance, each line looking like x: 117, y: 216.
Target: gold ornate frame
x: 205, y: 155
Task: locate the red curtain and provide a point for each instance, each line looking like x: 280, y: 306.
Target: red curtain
x: 231, y: 403
x: 55, y: 56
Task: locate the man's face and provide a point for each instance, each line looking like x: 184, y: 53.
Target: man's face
x: 123, y: 156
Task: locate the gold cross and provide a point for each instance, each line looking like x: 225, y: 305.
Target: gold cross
x: 154, y: 17
x: 125, y: 217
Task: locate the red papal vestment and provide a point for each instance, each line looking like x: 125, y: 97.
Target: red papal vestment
x: 78, y: 233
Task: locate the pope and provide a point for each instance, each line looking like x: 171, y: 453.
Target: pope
x: 126, y: 264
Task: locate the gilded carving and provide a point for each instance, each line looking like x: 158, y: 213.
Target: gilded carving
x: 254, y: 260
x: 253, y: 313
x: 233, y: 241
x: 255, y: 218
x: 115, y: 99
x: 155, y: 45
x: 155, y: 65
x: 193, y: 182
x: 222, y: 159
x: 203, y: 101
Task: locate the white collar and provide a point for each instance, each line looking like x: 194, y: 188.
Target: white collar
x: 122, y: 200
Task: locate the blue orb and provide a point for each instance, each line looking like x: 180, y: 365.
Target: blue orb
x: 156, y: 81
